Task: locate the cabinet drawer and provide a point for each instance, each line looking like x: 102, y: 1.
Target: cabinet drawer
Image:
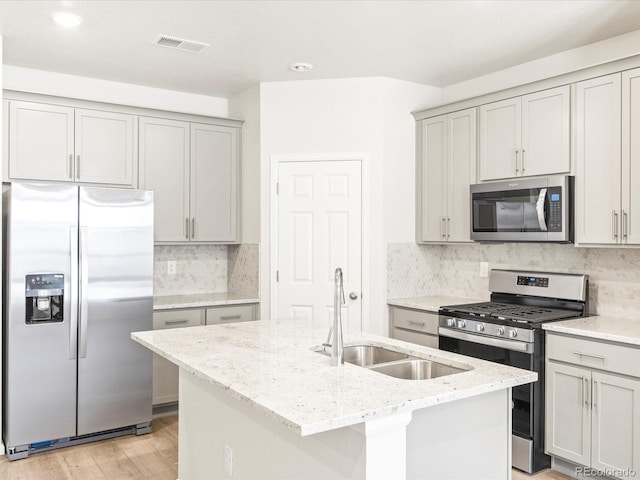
x: 237, y: 313
x: 414, y: 337
x: 177, y: 319
x: 425, y: 322
x: 594, y: 354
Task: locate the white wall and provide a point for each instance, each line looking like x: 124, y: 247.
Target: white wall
x: 1, y: 269
x: 86, y: 88
x: 246, y: 106
x: 357, y: 115
x: 615, y: 48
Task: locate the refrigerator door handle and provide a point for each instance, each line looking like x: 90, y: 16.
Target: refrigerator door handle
x: 73, y: 301
x: 84, y: 291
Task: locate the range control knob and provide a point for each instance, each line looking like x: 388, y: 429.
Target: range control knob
x: 480, y: 327
x: 462, y: 324
x: 451, y: 322
x: 500, y: 330
x: 513, y: 333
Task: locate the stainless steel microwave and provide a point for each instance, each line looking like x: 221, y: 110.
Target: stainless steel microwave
x: 527, y: 210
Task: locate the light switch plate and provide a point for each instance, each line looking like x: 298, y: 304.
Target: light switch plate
x: 171, y: 267
x: 484, y: 269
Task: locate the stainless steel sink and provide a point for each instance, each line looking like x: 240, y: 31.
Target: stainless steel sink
x: 395, y: 364
x: 366, y: 355
x: 416, y: 369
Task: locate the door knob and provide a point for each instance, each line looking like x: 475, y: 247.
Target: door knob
x: 353, y: 296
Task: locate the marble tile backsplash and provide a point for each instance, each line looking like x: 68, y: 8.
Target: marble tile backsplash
x: 243, y: 269
x: 199, y: 269
x: 614, y: 273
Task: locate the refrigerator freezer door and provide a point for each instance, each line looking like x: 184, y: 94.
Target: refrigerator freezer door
x: 116, y: 245
x: 40, y: 370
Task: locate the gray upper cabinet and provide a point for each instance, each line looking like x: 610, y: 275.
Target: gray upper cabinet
x: 193, y: 168
x: 61, y: 143
x: 526, y: 136
x: 446, y: 166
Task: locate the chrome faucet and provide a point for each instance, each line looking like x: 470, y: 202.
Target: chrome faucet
x: 335, y: 333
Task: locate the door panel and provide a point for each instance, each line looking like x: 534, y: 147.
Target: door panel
x: 114, y: 378
x: 631, y: 156
x: 461, y: 172
x: 434, y: 178
x: 164, y: 168
x: 616, y: 423
x: 500, y: 136
x: 598, y: 157
x: 40, y: 358
x: 319, y: 229
x: 214, y: 172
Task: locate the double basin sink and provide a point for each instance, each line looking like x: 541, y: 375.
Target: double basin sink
x: 395, y: 364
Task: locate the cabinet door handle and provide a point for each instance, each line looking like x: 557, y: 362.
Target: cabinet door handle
x: 231, y: 317
x: 78, y: 166
x: 193, y: 227
x: 443, y: 227
x: 517, y: 152
x: 448, y: 227
x: 175, y: 322
x: 186, y: 220
x: 615, y: 224
x: 625, y: 220
x: 523, y: 160
x: 590, y: 355
x: 420, y: 324
x: 585, y: 396
x: 594, y: 392
x: 71, y: 165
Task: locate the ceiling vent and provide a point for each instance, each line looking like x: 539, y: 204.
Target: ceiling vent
x: 176, y: 43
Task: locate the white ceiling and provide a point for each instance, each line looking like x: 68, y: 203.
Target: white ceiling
x: 437, y: 43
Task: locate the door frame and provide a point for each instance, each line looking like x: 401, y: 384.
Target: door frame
x: 363, y: 158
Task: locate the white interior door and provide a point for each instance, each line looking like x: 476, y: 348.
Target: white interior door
x: 319, y: 229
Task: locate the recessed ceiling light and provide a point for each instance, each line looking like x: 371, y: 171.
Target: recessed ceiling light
x: 301, y: 67
x: 67, y: 19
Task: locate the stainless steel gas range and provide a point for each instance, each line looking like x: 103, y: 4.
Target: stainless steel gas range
x: 508, y: 330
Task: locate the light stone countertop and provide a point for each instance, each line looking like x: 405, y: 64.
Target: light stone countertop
x: 429, y: 303
x: 270, y: 366
x: 605, y: 327
x: 199, y: 300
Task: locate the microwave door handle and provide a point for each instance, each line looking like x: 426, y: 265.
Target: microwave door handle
x: 542, y: 196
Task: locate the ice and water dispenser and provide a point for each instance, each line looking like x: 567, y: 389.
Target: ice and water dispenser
x: 44, y: 298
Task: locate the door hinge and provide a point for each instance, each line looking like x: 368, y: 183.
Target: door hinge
x: 277, y: 275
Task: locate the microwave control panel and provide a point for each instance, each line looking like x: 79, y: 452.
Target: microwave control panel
x: 554, y: 221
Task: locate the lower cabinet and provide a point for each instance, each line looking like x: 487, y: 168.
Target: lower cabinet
x: 414, y: 326
x: 592, y: 416
x: 165, y: 373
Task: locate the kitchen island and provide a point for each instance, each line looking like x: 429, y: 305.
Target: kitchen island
x: 256, y: 401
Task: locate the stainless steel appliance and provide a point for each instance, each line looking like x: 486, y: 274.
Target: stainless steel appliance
x: 528, y: 210
x: 508, y: 330
x: 78, y: 266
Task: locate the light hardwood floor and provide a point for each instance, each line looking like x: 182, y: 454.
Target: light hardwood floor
x: 153, y: 456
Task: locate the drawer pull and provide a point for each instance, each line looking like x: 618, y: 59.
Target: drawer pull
x: 590, y: 355
x: 420, y: 324
x: 231, y: 317
x: 175, y: 322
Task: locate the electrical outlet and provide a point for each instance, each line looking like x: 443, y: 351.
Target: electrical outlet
x: 171, y: 267
x: 228, y: 460
x: 484, y: 269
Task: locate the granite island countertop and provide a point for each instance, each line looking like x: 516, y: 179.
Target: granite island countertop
x: 429, y: 303
x: 270, y: 366
x: 200, y: 300
x: 601, y: 327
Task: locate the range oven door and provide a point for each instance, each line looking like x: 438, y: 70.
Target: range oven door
x: 530, y: 210
x: 499, y: 351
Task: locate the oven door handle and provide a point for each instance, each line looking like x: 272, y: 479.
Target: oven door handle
x: 514, y: 345
x: 542, y: 197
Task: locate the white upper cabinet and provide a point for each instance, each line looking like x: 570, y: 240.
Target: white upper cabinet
x: 164, y: 168
x: 446, y: 168
x: 193, y: 169
x: 608, y: 160
x: 526, y: 136
x: 59, y: 143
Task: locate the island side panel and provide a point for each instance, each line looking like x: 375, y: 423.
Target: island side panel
x: 210, y: 418
x: 468, y: 438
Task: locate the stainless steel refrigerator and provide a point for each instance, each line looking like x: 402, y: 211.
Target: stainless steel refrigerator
x: 78, y: 267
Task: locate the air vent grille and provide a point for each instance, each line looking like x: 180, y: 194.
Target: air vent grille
x: 176, y: 43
